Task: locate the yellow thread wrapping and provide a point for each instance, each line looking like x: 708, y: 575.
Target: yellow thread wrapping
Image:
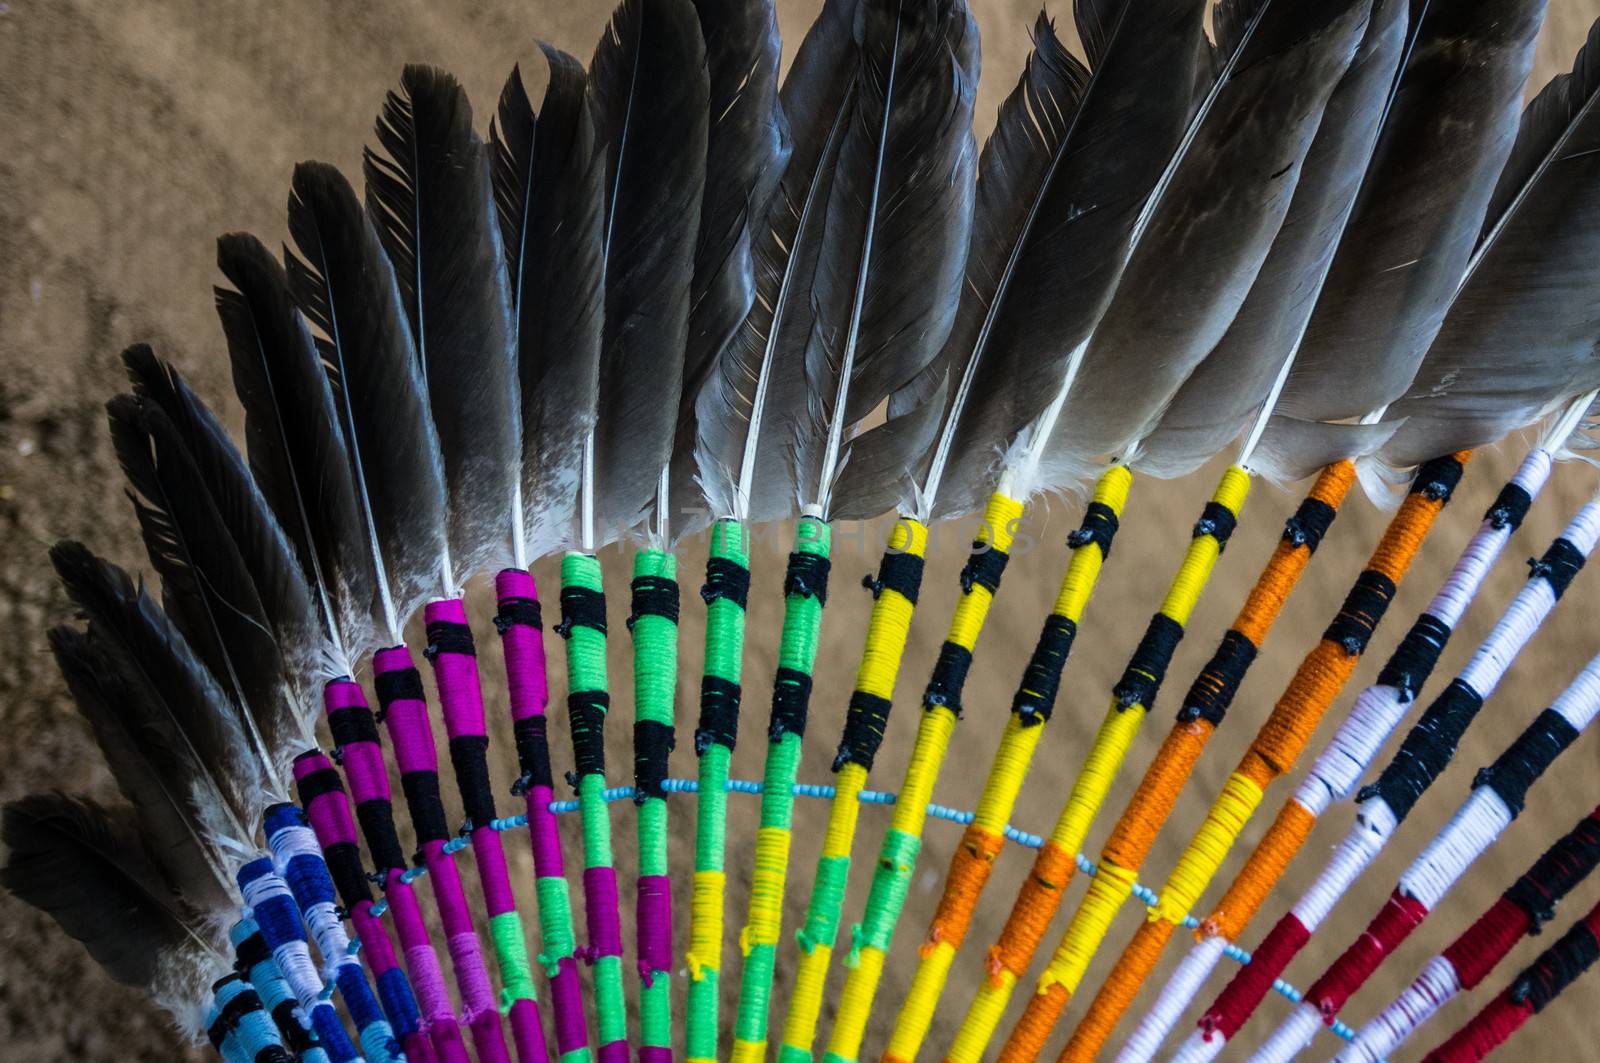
x: 856, y: 1007
x: 766, y: 889
x: 748, y: 1051
x: 933, y: 741
x: 1090, y: 924
x: 843, y: 810
x: 1203, y: 550
x: 705, y: 921
x: 1111, y: 744
x: 1229, y: 813
x: 1006, y: 774
x: 983, y: 1017
x: 916, y: 1013
x: 891, y: 619
x: 805, y: 999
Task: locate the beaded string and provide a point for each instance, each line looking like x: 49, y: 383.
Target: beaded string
x: 327, y: 808
x: 1521, y: 911
x: 254, y: 961
x: 654, y: 623
x: 405, y: 713
x: 1031, y: 707
x: 894, y: 600
x: 1384, y: 805
x: 583, y: 626
x: 1131, y: 699
x: 1338, y: 768
x: 941, y: 708
x: 518, y: 621
x: 355, y: 740
x: 455, y: 669
x: 725, y: 592
x: 805, y: 593
x: 269, y: 902
x: 1273, y: 751
x: 1497, y: 798
x: 1530, y: 993
x: 239, y: 1028
x: 298, y: 861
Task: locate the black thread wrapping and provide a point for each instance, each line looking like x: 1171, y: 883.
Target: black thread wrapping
x: 727, y: 581
x: 897, y: 572
x: 249, y: 952
x: 654, y: 596
x: 447, y: 636
x: 1363, y: 608
x: 949, y: 676
x: 1559, y: 564
x: 1509, y: 507
x: 1409, y: 666
x: 719, y: 715
x: 376, y: 817
x: 402, y: 684
x: 588, y: 716
x: 1556, y: 873
x: 985, y: 565
x: 515, y: 611
x: 344, y: 867
x: 272, y: 1054
x: 352, y: 724
x: 533, y: 754
x: 1099, y: 526
x: 1217, y: 521
x: 1437, y: 478
x: 427, y: 810
x: 1556, y: 968
x: 286, y: 1017
x: 469, y: 755
x: 1527, y: 758
x: 1148, y: 665
x: 863, y: 730
x: 1309, y: 524
x: 317, y: 784
x: 791, y: 701
x: 1426, y: 750
x: 1035, y: 698
x: 1214, y: 688
x: 652, y: 742
x: 581, y: 607
x: 807, y: 577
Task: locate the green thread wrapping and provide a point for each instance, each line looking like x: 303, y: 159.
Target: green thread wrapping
x: 827, y: 903
x: 511, y: 954
x: 555, y: 923
x: 724, y: 655
x: 890, y: 883
x: 610, y: 1007
x: 655, y: 676
x: 802, y: 627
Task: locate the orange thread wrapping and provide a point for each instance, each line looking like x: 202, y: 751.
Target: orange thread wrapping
x: 1038, y: 1019
x: 970, y: 866
x: 1118, y: 991
x: 1036, y: 905
x: 1262, y: 871
x: 1158, y: 791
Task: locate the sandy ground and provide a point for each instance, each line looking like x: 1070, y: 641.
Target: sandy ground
x: 133, y: 134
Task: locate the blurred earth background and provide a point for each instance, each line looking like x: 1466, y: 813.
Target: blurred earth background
x: 133, y: 134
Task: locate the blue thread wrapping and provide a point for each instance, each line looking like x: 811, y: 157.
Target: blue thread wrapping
x: 253, y: 959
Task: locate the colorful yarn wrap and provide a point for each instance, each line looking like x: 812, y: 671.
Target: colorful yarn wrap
x: 1131, y: 700
x: 454, y: 657
x: 518, y: 620
x: 405, y: 713
x: 1497, y: 798
x: 654, y: 623
x: 252, y: 958
x: 356, y: 748
x: 726, y: 590
x: 1273, y: 752
x: 272, y: 906
x: 941, y: 708
x: 298, y: 861
x: 583, y: 626
x: 1541, y: 982
x: 1521, y: 911
x: 1031, y: 707
x: 894, y: 593
x: 239, y: 1028
x: 1384, y: 805
x: 805, y: 593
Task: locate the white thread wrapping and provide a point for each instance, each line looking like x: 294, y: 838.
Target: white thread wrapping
x: 333, y: 941
x: 1375, y: 824
x: 1179, y: 992
x: 1198, y: 1047
x: 1294, y: 1034
x: 1474, y: 827
x: 293, y: 956
x: 1436, y: 986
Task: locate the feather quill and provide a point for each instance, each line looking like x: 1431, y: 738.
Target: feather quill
x: 901, y: 192
x: 547, y: 181
x: 1520, y: 337
x: 86, y: 867
x: 649, y: 88
x: 297, y: 456
x: 346, y: 287
x: 429, y: 194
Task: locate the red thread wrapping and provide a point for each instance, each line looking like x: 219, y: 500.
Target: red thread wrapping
x: 1485, y: 943
x: 1252, y: 981
x: 1488, y: 1030
x: 1398, y: 918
